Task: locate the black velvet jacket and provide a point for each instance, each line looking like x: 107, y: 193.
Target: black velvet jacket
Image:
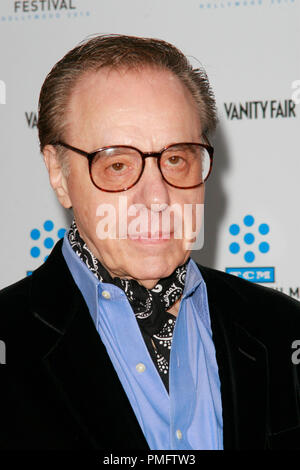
x: 59, y: 390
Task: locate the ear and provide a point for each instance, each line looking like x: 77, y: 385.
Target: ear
x: 58, y: 179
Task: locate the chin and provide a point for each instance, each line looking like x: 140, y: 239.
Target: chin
x: 156, y: 267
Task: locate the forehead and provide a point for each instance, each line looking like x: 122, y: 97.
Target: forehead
x: 130, y: 100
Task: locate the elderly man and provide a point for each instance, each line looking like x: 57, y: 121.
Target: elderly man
x: 124, y: 342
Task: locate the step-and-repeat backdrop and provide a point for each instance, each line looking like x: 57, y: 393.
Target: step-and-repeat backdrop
x: 250, y: 50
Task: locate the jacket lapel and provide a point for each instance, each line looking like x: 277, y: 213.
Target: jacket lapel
x: 243, y: 372
x: 77, y: 361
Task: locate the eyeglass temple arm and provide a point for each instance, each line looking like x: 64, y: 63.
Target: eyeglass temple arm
x: 81, y: 152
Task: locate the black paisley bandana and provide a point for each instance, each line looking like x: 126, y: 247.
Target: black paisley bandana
x: 149, y: 305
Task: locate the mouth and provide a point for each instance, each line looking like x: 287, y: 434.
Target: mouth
x: 149, y: 237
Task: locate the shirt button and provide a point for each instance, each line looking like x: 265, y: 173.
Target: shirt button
x: 106, y: 294
x: 178, y: 434
x: 140, y: 367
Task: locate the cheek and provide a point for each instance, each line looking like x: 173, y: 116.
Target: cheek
x: 192, y: 211
x: 188, y: 198
x: 84, y: 196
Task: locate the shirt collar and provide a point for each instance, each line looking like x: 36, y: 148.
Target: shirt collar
x: 91, y: 287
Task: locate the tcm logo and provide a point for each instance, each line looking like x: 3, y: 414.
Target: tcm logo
x: 249, y: 241
x: 44, y: 240
x: 254, y: 274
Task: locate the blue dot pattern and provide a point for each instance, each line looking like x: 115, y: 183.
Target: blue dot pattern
x: 249, y: 238
x: 234, y: 229
x: 264, y: 229
x: 249, y: 256
x: 61, y: 233
x: 48, y: 242
x: 234, y: 248
x: 35, y: 234
x: 48, y: 225
x: 35, y: 252
x: 264, y: 247
x: 249, y: 220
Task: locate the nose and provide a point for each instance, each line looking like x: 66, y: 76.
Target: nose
x: 152, y: 188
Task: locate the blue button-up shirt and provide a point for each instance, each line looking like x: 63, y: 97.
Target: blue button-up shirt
x: 190, y: 416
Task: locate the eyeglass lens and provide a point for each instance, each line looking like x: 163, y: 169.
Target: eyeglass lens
x: 117, y: 168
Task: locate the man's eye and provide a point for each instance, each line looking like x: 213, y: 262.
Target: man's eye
x: 118, y: 166
x: 175, y: 160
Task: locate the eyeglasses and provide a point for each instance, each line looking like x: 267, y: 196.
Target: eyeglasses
x: 119, y: 167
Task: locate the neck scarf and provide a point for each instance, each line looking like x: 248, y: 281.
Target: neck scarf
x: 149, y: 305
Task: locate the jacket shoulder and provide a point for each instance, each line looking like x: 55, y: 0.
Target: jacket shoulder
x: 35, y: 310
x: 252, y: 304
x: 19, y: 289
x: 14, y: 301
x: 243, y: 288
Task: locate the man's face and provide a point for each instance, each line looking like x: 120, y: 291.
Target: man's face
x: 147, y: 109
